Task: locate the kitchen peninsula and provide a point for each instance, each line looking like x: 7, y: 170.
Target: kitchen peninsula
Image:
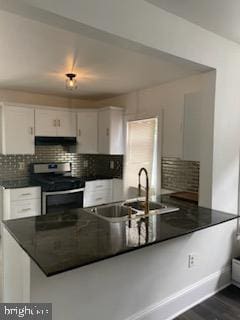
x: 41, y: 253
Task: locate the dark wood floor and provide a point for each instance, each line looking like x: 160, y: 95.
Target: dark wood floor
x: 225, y: 305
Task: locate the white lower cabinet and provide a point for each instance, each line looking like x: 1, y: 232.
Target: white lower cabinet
x: 97, y: 185
x: 24, y: 193
x: 21, y: 202
x: 97, y: 192
x: 100, y: 192
x: 25, y: 208
x: 97, y: 198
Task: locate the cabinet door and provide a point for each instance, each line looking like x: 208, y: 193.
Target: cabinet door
x: 104, y: 132
x: 28, y: 193
x: 192, y: 127
x: 87, y: 130
x: 19, y: 130
x: 173, y: 131
x: 45, y: 123
x: 23, y: 209
x: 66, y: 124
x: 116, y: 132
x: 97, y: 198
x: 98, y: 185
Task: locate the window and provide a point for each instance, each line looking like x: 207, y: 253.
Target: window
x: 141, y: 151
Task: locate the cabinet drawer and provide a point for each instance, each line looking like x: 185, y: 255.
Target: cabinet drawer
x: 98, y: 185
x: 25, y: 208
x: 97, y: 198
x: 25, y: 193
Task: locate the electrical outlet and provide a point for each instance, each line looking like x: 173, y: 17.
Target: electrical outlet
x: 85, y: 163
x: 21, y: 165
x: 112, y: 164
x: 192, y: 260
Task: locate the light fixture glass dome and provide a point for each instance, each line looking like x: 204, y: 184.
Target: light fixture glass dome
x: 71, y: 82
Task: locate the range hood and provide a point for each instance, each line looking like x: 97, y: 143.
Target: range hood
x: 53, y: 141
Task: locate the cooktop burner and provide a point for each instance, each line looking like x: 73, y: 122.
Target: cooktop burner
x: 55, y: 177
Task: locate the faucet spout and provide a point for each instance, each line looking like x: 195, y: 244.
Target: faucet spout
x: 146, y: 207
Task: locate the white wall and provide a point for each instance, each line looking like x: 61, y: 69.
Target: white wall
x: 150, y: 101
x: 142, y: 26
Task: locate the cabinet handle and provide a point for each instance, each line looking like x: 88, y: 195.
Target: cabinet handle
x: 107, y: 131
x: 25, y: 194
x: 99, y: 186
x: 79, y: 132
x: 31, y: 131
x: 59, y: 123
x: 98, y: 199
x: 54, y: 123
x: 26, y: 209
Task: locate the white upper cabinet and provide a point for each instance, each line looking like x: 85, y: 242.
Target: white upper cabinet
x: 87, y: 132
x: 45, y: 122
x: 192, y: 126
x: 182, y: 125
x: 52, y: 123
x: 110, y: 131
x: 17, y: 130
x: 66, y: 124
x: 97, y: 131
x: 173, y: 132
x: 104, y: 131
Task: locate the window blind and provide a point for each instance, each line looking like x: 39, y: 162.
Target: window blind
x: 141, y: 147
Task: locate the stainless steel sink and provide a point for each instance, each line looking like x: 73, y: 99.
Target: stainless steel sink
x: 118, y: 212
x: 154, y: 207
x: 140, y: 205
x: 112, y: 212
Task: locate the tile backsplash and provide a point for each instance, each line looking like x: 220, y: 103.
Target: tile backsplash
x: 180, y: 175
x: 177, y: 175
x: 14, y: 167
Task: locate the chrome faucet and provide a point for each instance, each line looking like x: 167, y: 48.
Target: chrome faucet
x: 146, y: 206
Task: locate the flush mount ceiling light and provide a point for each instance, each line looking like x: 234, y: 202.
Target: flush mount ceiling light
x: 71, y: 82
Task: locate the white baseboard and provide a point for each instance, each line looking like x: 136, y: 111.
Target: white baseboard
x: 185, y: 299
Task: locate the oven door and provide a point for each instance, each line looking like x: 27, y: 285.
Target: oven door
x: 60, y: 201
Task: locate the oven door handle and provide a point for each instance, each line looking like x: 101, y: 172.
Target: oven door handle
x: 62, y: 192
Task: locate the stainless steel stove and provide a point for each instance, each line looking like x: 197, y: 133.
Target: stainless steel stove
x: 60, y: 190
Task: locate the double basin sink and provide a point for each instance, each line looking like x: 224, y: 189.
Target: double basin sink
x: 117, y: 212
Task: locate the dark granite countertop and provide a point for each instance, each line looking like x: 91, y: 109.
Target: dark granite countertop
x: 98, y: 177
x: 61, y: 242
x: 25, y: 183
x: 20, y: 183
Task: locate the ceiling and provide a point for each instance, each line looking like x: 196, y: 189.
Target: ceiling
x: 34, y: 57
x: 219, y: 16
